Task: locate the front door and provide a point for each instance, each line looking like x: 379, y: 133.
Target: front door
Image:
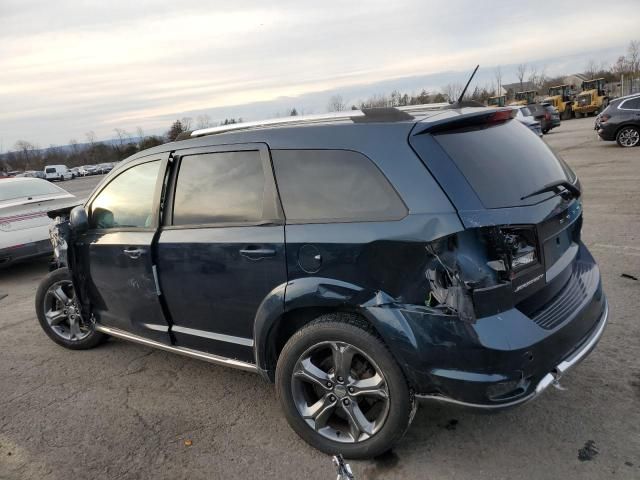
x: 221, y: 251
x: 121, y: 279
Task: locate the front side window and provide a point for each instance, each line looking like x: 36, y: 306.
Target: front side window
x: 225, y: 187
x: 321, y: 186
x: 127, y: 201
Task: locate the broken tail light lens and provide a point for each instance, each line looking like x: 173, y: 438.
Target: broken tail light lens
x: 522, y: 247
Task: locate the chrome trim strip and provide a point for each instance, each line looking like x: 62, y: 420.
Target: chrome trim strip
x: 207, y: 357
x: 547, y: 380
x: 345, y: 115
x: 157, y: 328
x: 154, y: 269
x: 247, y: 342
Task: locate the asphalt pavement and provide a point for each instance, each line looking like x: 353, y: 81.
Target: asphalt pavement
x: 123, y: 411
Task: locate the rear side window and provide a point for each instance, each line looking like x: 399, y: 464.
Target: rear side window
x: 631, y: 104
x: 503, y: 163
x: 321, y: 186
x: 219, y: 188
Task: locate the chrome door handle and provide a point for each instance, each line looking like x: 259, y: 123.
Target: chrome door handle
x: 134, y: 252
x: 257, y: 253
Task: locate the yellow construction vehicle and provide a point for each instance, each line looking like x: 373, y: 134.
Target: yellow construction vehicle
x: 592, y: 99
x: 497, y: 101
x: 561, y: 97
x: 525, y: 98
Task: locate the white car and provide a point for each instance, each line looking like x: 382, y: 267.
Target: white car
x: 57, y: 172
x: 24, y: 225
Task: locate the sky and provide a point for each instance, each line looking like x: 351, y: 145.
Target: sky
x: 69, y: 67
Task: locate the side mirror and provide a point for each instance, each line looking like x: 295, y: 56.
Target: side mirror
x: 79, y: 220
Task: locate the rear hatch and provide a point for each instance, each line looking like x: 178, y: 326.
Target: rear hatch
x: 491, y: 168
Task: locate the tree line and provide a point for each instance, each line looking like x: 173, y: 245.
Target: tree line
x: 28, y: 156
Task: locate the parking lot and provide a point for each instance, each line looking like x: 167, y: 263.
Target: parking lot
x: 126, y: 411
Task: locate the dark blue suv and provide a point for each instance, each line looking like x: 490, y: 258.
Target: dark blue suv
x: 360, y: 260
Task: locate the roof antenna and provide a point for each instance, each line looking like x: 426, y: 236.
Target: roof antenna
x: 458, y: 103
x: 464, y: 90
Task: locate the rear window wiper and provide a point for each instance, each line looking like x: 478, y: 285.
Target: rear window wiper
x: 554, y: 186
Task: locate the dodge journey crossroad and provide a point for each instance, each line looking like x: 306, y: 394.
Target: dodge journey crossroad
x: 360, y: 261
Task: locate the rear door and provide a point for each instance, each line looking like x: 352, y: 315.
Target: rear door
x: 221, y: 251
x: 123, y: 219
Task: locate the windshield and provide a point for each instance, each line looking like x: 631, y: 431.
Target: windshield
x: 503, y: 163
x: 27, y: 188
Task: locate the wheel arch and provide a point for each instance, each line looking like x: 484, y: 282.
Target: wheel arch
x: 291, y: 306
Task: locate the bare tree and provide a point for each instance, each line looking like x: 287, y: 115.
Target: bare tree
x: 452, y: 91
x: 497, y: 74
x: 336, y: 104
x: 122, y: 135
x: 91, y: 137
x: 26, y: 153
x: 633, y: 56
x: 521, y: 72
x: 203, y: 121
x: 591, y: 69
x: 186, y: 123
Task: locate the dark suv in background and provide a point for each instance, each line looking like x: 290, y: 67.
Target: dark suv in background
x: 360, y: 260
x: 620, y: 121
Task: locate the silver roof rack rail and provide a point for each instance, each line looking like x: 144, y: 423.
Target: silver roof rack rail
x: 423, y: 107
x: 345, y: 115
x: 301, y: 119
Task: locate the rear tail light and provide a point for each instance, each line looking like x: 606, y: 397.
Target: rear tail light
x: 604, y: 117
x: 512, y: 249
x: 547, y: 116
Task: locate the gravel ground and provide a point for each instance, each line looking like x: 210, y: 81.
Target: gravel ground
x: 125, y: 411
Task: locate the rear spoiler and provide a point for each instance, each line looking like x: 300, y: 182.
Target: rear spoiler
x: 62, y: 211
x: 464, y: 118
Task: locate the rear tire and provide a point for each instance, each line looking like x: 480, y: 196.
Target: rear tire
x: 361, y: 413
x: 59, y: 316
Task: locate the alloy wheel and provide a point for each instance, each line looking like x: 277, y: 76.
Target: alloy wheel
x: 63, y: 314
x: 340, y: 392
x: 629, y: 137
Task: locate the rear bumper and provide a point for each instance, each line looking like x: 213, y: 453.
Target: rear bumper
x: 547, y: 380
x: 505, y: 359
x: 25, y: 251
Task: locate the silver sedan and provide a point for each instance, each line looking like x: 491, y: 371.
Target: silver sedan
x: 24, y: 225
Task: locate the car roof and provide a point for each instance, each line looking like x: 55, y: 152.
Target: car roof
x: 335, y: 132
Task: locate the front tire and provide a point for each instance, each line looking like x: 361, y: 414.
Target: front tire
x: 628, y: 137
x: 59, y: 314
x: 341, y: 389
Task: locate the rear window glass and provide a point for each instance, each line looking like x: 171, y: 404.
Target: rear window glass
x: 503, y: 163
x: 219, y: 188
x: 51, y: 170
x: 318, y: 186
x: 10, y: 190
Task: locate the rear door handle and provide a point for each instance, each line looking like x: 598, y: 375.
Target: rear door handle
x: 256, y: 253
x: 134, y: 252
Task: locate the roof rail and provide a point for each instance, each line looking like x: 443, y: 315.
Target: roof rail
x: 302, y: 119
x: 423, y: 107
x: 347, y: 114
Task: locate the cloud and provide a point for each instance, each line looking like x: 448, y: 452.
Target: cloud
x: 69, y: 67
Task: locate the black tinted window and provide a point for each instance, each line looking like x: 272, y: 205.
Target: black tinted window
x: 128, y: 199
x: 219, y: 187
x: 338, y: 185
x: 633, y: 103
x: 503, y: 163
